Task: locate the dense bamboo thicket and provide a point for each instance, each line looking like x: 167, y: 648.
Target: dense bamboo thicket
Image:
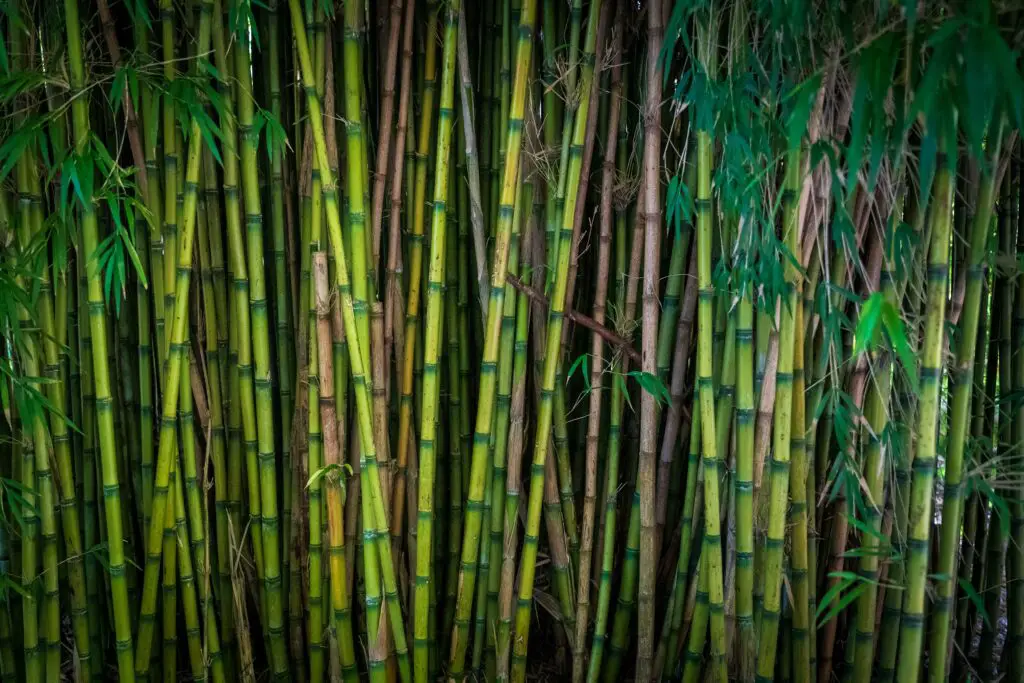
x: 520, y: 339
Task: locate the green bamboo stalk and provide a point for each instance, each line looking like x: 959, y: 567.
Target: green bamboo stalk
x: 597, y: 361
x: 282, y: 299
x: 963, y: 385
x: 999, y: 422
x: 90, y: 240
x: 920, y: 521
x: 375, y: 515
x: 171, y: 383
x: 453, y: 387
x: 415, y: 261
x: 89, y: 471
x: 357, y: 160
x: 492, y: 338
x: 35, y: 664
x: 744, y: 479
x: 432, y: 344
x: 779, y: 480
x: 169, y: 585
x: 699, y: 623
x: 712, y: 551
x: 516, y: 441
x: 314, y: 487
x: 216, y: 435
x: 1012, y: 656
x: 801, y: 630
x: 506, y: 363
x: 550, y: 369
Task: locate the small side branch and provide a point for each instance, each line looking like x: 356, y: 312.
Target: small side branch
x: 610, y: 336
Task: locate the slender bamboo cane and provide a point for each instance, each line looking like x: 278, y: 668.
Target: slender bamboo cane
x: 597, y: 359
x: 920, y: 521
x: 960, y: 412
x: 492, y: 330
x: 550, y: 369
x: 339, y: 594
x: 405, y: 384
x: 649, y: 409
x: 375, y: 515
x: 516, y: 443
x: 782, y: 434
x: 432, y: 343
x: 32, y: 437
x: 90, y: 240
x: 711, y: 458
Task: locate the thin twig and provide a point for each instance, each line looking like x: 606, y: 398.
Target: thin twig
x: 579, y: 318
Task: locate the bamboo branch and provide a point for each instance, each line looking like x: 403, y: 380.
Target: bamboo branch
x: 613, y: 338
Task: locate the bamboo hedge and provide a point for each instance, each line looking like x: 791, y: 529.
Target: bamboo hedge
x: 366, y: 340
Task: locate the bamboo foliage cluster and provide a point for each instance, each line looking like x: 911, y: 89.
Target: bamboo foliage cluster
x: 364, y: 340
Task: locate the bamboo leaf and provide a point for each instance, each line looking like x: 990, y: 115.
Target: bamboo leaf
x: 975, y: 598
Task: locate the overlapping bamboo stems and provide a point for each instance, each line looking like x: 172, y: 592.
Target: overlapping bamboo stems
x: 489, y: 370
x: 332, y: 441
x: 393, y: 301
x: 502, y: 420
x: 920, y: 520
x: 550, y: 369
x: 168, y: 654
x: 963, y: 385
x: 412, y: 298
x: 216, y: 433
x: 516, y: 443
x: 375, y: 516
x: 915, y: 210
x: 46, y: 348
x: 999, y: 425
x: 312, y: 220
x: 260, y: 368
x: 282, y: 300
x: 649, y: 409
x: 148, y: 350
x: 597, y: 358
x: 101, y: 377
x: 712, y: 554
x: 771, y: 611
x: 176, y: 349
x: 390, y: 66
x: 37, y: 615
x: 242, y: 434
x: 432, y: 346
x: 1012, y: 657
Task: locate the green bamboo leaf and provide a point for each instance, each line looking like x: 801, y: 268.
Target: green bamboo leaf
x: 867, y: 325
x: 621, y: 381
x: 134, y: 255
x: 866, y: 529
x: 898, y: 338
x: 832, y: 604
x: 975, y: 598
x: 582, y: 361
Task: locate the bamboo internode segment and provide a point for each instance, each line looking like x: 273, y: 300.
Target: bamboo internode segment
x: 682, y: 337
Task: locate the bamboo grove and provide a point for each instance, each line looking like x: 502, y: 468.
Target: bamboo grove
x: 529, y: 339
